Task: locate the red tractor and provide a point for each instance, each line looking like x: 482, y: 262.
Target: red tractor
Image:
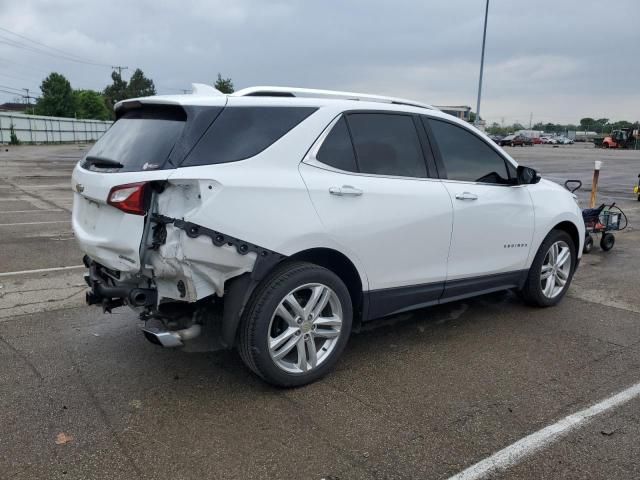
x: 623, y: 138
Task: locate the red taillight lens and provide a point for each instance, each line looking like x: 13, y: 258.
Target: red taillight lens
x: 130, y: 198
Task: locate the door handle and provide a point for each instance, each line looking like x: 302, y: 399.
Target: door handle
x: 345, y: 191
x: 466, y: 196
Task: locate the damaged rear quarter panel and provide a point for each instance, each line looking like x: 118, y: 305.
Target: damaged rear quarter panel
x: 262, y: 201
x: 202, y: 266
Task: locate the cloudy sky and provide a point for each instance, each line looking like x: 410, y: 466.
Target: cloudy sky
x: 559, y: 60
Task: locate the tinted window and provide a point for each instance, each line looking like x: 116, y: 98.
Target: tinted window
x: 242, y: 132
x: 140, y: 140
x: 387, y: 144
x: 466, y: 157
x: 337, y: 149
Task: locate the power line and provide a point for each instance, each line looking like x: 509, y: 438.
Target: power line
x: 15, y: 94
x: 66, y: 54
x: 11, y: 88
x: 29, y: 48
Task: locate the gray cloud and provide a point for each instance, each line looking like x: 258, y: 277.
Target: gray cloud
x: 557, y: 60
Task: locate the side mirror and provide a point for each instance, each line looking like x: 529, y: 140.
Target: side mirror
x: 527, y: 176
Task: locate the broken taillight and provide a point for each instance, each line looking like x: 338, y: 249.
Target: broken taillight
x: 130, y: 198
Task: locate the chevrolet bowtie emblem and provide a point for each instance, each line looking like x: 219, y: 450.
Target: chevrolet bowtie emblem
x: 79, y: 188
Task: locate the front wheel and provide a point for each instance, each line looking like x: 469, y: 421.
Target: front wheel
x: 551, y: 271
x: 296, y: 325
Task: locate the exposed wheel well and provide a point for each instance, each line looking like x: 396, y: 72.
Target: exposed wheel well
x: 339, y: 264
x: 572, y: 230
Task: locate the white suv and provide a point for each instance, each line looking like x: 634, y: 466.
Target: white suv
x: 279, y: 220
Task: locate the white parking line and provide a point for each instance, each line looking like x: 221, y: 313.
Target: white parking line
x: 41, y: 270
x: 33, y: 223
x: 34, y: 211
x: 511, y: 455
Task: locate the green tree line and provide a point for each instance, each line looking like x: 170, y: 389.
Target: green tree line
x: 60, y: 99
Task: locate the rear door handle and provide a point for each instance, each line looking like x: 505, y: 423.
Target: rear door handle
x: 345, y: 191
x: 466, y: 196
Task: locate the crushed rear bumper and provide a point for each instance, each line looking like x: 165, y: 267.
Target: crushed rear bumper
x: 105, y: 289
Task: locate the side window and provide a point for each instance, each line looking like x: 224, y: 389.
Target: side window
x: 337, y: 149
x: 466, y: 157
x: 387, y: 144
x: 242, y: 132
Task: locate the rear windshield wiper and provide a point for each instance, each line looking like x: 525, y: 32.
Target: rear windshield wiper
x: 101, y: 162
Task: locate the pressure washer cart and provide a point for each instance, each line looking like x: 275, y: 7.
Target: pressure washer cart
x: 602, y: 220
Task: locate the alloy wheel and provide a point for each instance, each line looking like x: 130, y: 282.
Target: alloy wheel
x: 305, y: 328
x: 556, y: 269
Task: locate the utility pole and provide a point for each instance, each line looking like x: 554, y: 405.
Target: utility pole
x: 484, y: 39
x: 119, y: 68
x: 530, y: 120
x: 28, y: 97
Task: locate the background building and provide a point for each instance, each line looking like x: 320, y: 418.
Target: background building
x: 462, y: 112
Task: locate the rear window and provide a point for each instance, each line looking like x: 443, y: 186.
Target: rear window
x: 139, y: 140
x: 242, y: 132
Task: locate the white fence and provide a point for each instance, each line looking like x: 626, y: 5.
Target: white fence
x: 39, y: 129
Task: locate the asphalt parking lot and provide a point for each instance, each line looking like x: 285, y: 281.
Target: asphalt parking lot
x: 83, y: 395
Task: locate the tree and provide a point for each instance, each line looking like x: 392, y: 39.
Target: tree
x: 224, y: 85
x: 57, y: 98
x: 13, y: 138
x: 91, y: 104
x: 116, y: 91
x: 140, y: 86
x: 587, y: 123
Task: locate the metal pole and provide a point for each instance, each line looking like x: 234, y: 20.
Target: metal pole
x: 484, y: 39
x: 594, y: 184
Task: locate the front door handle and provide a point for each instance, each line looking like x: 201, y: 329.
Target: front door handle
x: 466, y: 196
x: 345, y: 191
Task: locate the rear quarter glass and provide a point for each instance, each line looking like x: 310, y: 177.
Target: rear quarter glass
x: 243, y: 132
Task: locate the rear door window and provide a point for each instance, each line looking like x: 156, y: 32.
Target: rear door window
x: 140, y: 139
x: 243, y: 132
x: 387, y: 144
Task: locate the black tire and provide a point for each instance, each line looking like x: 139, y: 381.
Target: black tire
x: 532, y: 290
x: 254, y: 329
x: 607, y: 241
x: 588, y: 244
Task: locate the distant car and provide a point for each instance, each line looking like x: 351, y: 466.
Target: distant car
x: 496, y: 138
x: 506, y: 141
x: 548, y: 140
x: 516, y: 141
x: 564, y: 140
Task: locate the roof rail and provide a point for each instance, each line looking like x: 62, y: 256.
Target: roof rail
x: 314, y: 93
